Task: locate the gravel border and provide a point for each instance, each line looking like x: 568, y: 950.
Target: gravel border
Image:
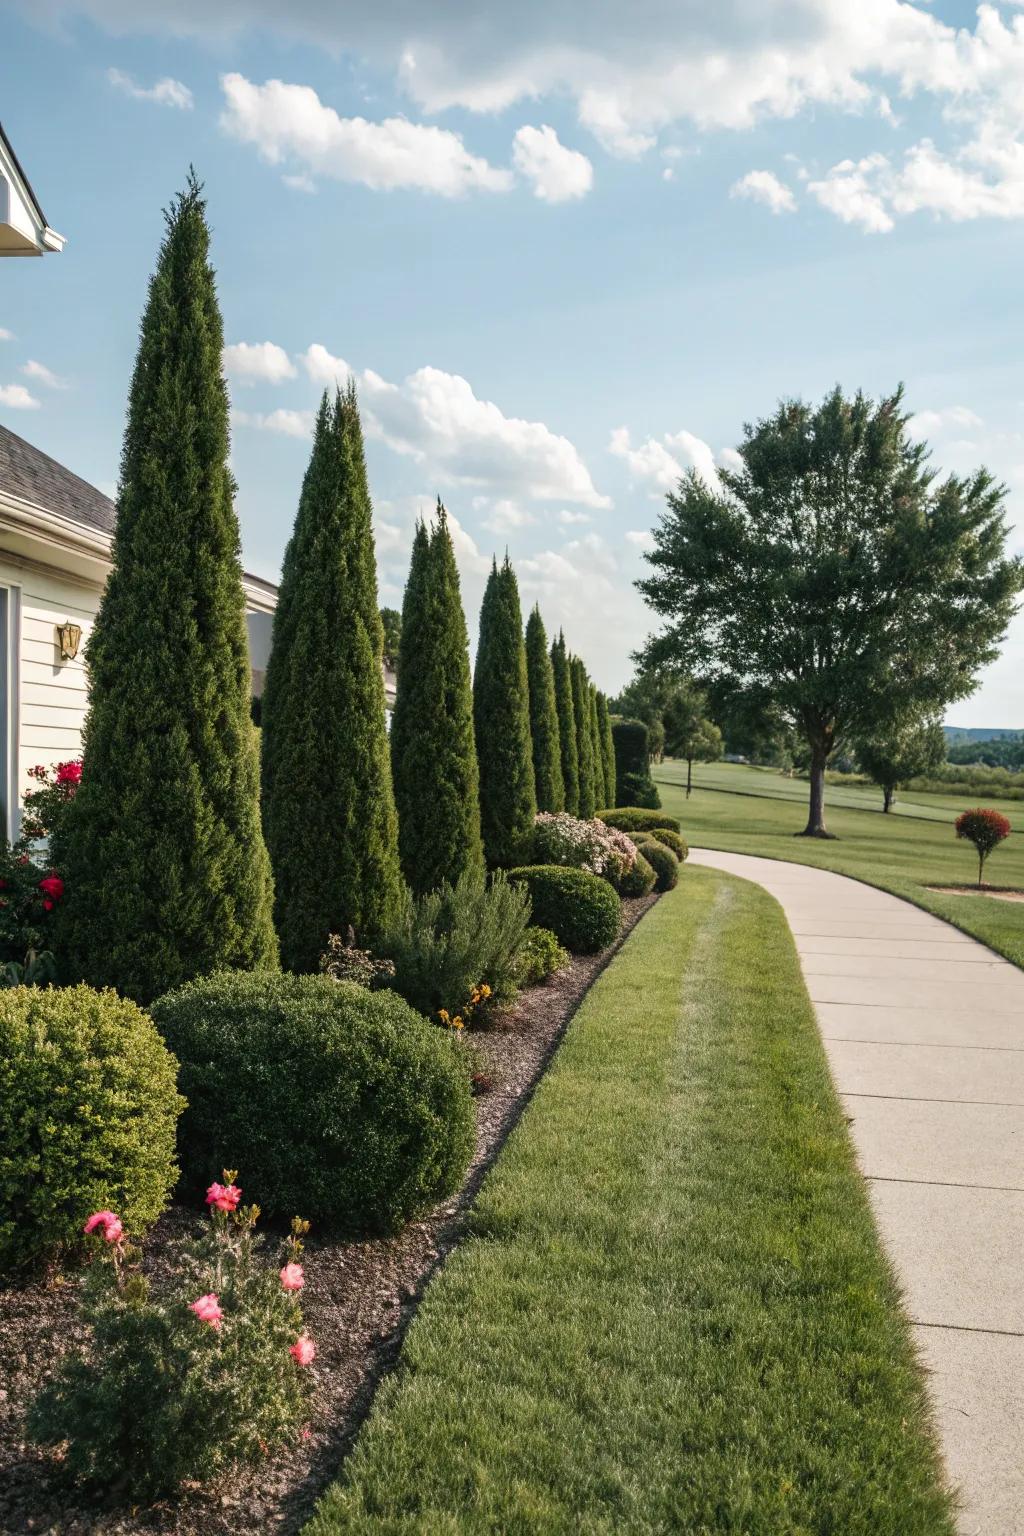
x: 359, y: 1299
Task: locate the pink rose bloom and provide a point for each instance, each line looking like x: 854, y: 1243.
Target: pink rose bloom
x: 223, y: 1197
x: 292, y: 1277
x: 207, y: 1309
x: 110, y: 1223
x: 53, y: 885
x: 303, y: 1350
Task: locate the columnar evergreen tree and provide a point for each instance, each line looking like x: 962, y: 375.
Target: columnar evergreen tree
x: 547, y: 752
x: 433, y: 751
x: 607, y: 748
x: 501, y: 715
x: 566, y: 725
x: 165, y: 868
x: 600, y: 793
x: 328, y: 810
x: 584, y: 740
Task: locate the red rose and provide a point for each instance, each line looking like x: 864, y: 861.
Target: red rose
x: 47, y: 905
x: 69, y: 773
x: 53, y: 885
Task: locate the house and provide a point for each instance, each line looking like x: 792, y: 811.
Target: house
x: 23, y: 227
x: 56, y: 532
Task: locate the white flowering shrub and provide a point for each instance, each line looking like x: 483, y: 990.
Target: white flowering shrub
x: 559, y: 838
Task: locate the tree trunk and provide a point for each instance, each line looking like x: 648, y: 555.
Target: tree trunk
x: 816, y: 812
x: 689, y: 776
x: 887, y: 794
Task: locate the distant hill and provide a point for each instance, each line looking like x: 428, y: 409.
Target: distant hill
x: 958, y: 733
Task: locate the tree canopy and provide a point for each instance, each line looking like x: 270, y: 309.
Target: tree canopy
x: 908, y: 748
x: 834, y: 573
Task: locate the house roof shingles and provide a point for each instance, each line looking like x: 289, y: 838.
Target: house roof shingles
x: 33, y: 476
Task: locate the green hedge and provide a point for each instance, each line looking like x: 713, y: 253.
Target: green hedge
x: 672, y: 840
x: 334, y: 1103
x: 662, y: 861
x: 638, y: 881
x: 581, y: 909
x: 631, y: 818
x: 88, y: 1105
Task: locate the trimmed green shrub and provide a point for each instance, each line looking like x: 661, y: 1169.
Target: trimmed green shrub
x: 88, y: 1106
x: 632, y: 748
x: 342, y: 1104
x: 180, y: 1385
x: 501, y: 722
x: 326, y: 792
x: 161, y: 848
x: 633, y: 818
x: 581, y: 909
x: 604, y: 725
x: 662, y: 861
x: 455, y: 939
x: 540, y: 956
x: 547, y: 752
x: 637, y: 789
x: 671, y: 840
x: 566, y: 725
x: 639, y: 880
x: 588, y: 796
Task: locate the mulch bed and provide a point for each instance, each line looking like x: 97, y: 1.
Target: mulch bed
x: 358, y: 1301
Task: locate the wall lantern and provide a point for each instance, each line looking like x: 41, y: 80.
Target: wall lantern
x: 69, y: 638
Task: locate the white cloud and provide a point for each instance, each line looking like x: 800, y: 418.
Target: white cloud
x: 17, y: 398
x: 930, y: 423
x: 728, y: 458
x: 323, y: 368
x: 43, y: 375
x: 580, y: 589
x: 764, y: 187
x: 254, y: 362
x: 290, y: 124
x: 570, y: 519
x: 847, y: 191
x: 558, y: 174
x: 166, y: 92
x: 664, y: 461
x: 504, y: 516
x: 643, y: 538
x: 287, y: 422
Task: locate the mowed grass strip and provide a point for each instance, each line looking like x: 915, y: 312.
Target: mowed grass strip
x: 673, y: 1314
x: 900, y: 854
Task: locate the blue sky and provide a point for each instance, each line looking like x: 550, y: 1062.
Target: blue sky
x: 566, y: 249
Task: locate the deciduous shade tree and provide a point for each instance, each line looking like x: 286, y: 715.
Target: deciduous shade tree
x: 547, y: 751
x: 690, y: 733
x: 566, y: 725
x: 584, y: 740
x: 328, y: 809
x: 433, y: 751
x: 908, y: 748
x: 835, y: 573
x: 501, y: 716
x: 166, y: 872
x: 607, y: 750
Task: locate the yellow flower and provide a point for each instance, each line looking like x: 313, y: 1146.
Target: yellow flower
x: 442, y: 1014
x: 485, y: 990
x: 457, y: 1022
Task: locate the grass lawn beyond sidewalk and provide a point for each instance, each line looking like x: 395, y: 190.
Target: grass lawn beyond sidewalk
x: 673, y: 1313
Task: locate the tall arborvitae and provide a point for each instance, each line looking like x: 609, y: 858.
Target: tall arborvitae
x: 600, y: 796
x: 433, y: 751
x: 604, y: 723
x: 566, y: 725
x: 165, y: 869
x: 584, y: 740
x: 547, y: 754
x: 328, y: 811
x: 501, y: 715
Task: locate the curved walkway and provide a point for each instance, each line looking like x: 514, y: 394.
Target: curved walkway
x: 924, y: 1029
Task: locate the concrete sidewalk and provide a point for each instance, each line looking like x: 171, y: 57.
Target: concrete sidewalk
x: 924, y: 1029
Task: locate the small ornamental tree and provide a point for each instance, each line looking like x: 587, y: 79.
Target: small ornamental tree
x: 584, y: 739
x: 689, y: 732
x: 547, y: 751
x: 328, y: 810
x: 501, y: 716
x: 433, y: 750
x: 604, y: 724
x: 161, y: 848
x: 566, y: 725
x: 901, y: 754
x: 985, y: 829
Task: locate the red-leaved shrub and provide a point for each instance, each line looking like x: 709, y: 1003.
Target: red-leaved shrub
x: 985, y: 829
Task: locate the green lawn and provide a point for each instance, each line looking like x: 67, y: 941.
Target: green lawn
x: 673, y: 1313
x: 903, y: 854
x: 744, y: 779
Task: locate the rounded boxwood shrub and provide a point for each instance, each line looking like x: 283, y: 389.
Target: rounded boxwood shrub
x: 639, y: 880
x: 662, y: 861
x: 338, y: 1104
x: 88, y: 1105
x: 633, y: 818
x: 581, y: 909
x: 672, y: 840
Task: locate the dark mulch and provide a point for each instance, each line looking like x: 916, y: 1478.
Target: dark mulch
x: 358, y: 1301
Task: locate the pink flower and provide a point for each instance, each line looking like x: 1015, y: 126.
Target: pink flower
x: 292, y: 1277
x: 53, y: 885
x: 69, y: 773
x: 207, y: 1309
x: 223, y: 1197
x: 110, y: 1223
x: 303, y: 1350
